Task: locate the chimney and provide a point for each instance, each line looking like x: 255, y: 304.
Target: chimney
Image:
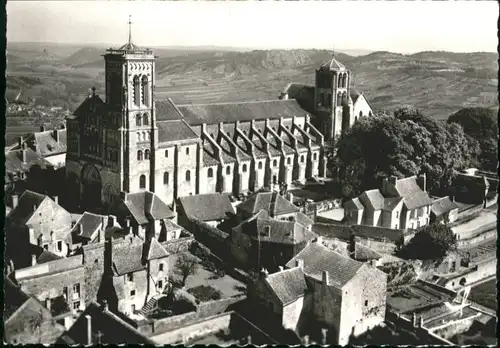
x: 56, y: 199
x: 249, y: 339
x: 48, y: 303
x: 174, y: 206
x: 33, y: 259
x: 452, y: 198
x: 111, y: 221
x: 105, y: 305
x: 101, y: 237
x: 93, y: 91
x: 324, y: 335
x: 21, y: 142
x: 305, y: 340
x: 280, y: 268
x: 299, y: 263
x: 290, y: 197
x: 24, y: 155
x: 56, y: 135
x: 31, y: 232
x: 15, y: 201
x: 422, y: 181
x: 421, y: 322
x: 319, y: 240
x: 88, y: 320
x: 42, y: 128
x: 123, y: 196
x: 264, y: 273
x: 79, y: 228
x: 325, y: 278
x: 284, y: 96
x: 414, y: 319
x: 393, y: 180
x: 352, y: 246
x: 34, y: 207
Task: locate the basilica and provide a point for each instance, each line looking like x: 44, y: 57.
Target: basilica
x: 129, y: 142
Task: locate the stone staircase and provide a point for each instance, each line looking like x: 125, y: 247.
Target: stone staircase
x: 150, y: 305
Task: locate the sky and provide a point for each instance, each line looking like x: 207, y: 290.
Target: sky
x: 396, y: 26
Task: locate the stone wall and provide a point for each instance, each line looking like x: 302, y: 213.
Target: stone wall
x: 465, y: 243
x: 178, y: 245
x: 93, y: 260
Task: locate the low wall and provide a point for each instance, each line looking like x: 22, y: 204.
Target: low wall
x: 50, y: 267
x: 325, y: 220
x: 178, y: 245
x: 390, y: 237
x: 211, y: 237
x: 332, y: 230
x: 422, y: 335
x: 484, y: 270
x: 469, y: 212
x: 455, y: 328
x: 465, y: 243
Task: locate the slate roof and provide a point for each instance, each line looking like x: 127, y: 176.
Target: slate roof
x: 272, y: 202
x: 129, y: 257
x: 47, y: 256
x: 288, y: 285
x: 240, y: 111
x: 166, y: 110
x: 171, y: 226
x: 14, y: 161
x: 47, y: 145
x: 391, y: 203
x: 303, y: 219
x: 14, y: 298
x: 91, y: 103
x: 175, y: 130
x: 25, y: 207
x: 146, y: 205
x: 354, y: 203
x: 318, y: 258
x: 375, y: 198
x: 209, y: 158
x: 443, y: 205
x: 207, y: 207
x: 413, y: 195
x: 354, y: 94
x: 333, y: 64
x: 89, y: 222
x: 364, y: 253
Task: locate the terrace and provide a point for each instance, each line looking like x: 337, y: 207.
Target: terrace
x: 408, y: 299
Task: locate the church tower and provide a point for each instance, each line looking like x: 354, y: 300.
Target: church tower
x: 331, y: 98
x: 132, y: 132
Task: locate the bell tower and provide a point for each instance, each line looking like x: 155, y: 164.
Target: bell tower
x: 331, y: 97
x: 130, y: 79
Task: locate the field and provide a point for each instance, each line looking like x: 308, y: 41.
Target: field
x: 439, y: 83
x: 485, y: 294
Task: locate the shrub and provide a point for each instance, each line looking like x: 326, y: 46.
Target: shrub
x: 205, y: 293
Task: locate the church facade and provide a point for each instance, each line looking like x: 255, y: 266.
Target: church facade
x: 131, y: 142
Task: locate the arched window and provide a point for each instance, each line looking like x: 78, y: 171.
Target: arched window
x: 228, y: 170
x: 302, y: 159
x: 344, y: 98
x: 146, y: 154
x: 244, y: 168
x: 166, y: 153
x: 145, y: 119
x: 339, y: 99
x: 187, y: 150
x: 329, y: 101
x: 144, y: 136
x: 275, y: 179
x: 339, y: 78
x: 165, y: 178
x: 138, y: 122
x: 138, y: 136
x: 275, y: 163
x: 145, y: 91
x: 369, y: 113
x: 51, y: 236
x: 288, y: 160
x: 142, y: 181
x: 137, y: 90
x: 315, y: 156
x: 344, y: 81
x: 210, y: 173
x: 139, y: 155
x: 188, y: 175
x: 361, y: 114
x: 260, y: 165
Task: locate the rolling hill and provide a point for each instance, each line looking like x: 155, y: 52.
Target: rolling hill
x: 437, y: 82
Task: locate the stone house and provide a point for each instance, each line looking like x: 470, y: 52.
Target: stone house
x: 400, y: 204
x: 89, y: 228
x: 36, y: 220
x: 277, y: 206
x: 320, y: 288
x: 211, y: 208
x: 444, y: 210
x: 26, y: 320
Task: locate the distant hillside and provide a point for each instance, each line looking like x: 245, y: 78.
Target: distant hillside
x: 439, y: 83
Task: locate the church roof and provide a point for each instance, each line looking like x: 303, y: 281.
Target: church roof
x: 333, y: 64
x: 175, y: 130
x: 129, y: 46
x: 240, y: 111
x: 91, y: 104
x: 207, y: 207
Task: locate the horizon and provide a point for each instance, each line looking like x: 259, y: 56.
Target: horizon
x: 205, y: 24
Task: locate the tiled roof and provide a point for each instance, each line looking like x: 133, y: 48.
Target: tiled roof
x: 354, y: 94
x: 155, y: 250
x: 171, y: 226
x: 271, y: 202
x: 443, y: 205
x: 288, y: 285
x: 391, y: 203
x: 146, y: 205
x: 132, y: 256
x: 354, y: 204
x: 14, y: 161
x: 176, y: 130
x: 14, y: 298
x: 166, y: 110
x: 333, y: 64
x: 240, y: 111
x: 364, y: 253
x: 25, y: 207
x: 318, y: 258
x: 47, y: 256
x: 414, y: 196
x: 207, y: 207
x: 288, y: 149
x: 375, y: 198
x: 303, y: 219
x: 209, y: 155
x: 46, y: 143
x: 90, y: 223
x: 89, y: 104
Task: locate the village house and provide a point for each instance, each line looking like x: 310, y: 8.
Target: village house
x: 400, y: 204
x: 320, y: 288
x: 444, y: 210
x: 277, y: 206
x: 212, y: 208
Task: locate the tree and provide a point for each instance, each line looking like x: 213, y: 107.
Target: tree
x: 431, y: 242
x: 186, y: 265
x: 480, y: 124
